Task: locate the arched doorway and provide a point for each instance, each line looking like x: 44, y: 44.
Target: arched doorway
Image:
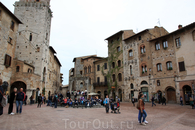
x: 120, y: 94
x: 187, y: 91
x: 171, y: 95
x: 18, y: 85
x: 145, y: 92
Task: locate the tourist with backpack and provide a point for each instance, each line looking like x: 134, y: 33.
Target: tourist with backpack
x: 1, y: 97
x: 55, y: 100
x: 39, y: 100
x: 19, y: 100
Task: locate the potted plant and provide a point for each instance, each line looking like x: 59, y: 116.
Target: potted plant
x: 170, y: 68
x: 142, y: 72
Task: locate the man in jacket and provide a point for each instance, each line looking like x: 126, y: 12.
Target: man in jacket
x: 1, y: 96
x: 11, y: 101
x: 19, y: 100
x: 39, y: 100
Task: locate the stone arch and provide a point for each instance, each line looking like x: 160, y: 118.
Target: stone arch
x: 144, y: 82
x: 18, y: 85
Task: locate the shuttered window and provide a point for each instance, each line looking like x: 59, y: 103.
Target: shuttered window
x: 181, y: 66
x: 8, y: 59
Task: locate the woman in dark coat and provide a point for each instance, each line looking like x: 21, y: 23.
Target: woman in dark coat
x: 11, y: 101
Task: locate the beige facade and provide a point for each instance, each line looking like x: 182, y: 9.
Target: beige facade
x: 8, y: 36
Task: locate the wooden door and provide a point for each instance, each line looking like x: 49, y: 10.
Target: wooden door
x: 171, y: 95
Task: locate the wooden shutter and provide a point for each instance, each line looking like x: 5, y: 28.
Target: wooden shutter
x: 181, y: 66
x: 8, y: 59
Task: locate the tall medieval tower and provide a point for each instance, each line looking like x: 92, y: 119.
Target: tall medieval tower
x: 32, y: 45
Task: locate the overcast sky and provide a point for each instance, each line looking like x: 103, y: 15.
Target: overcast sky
x: 79, y: 27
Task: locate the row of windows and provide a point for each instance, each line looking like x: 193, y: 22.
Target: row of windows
x: 112, y: 41
x: 105, y: 79
x: 119, y: 77
x: 105, y: 67
x: 89, y: 69
x: 18, y: 69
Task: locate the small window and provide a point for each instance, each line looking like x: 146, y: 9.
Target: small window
x: 165, y: 44
x: 113, y: 65
x: 7, y: 61
x: 38, y: 49
x: 157, y: 46
x: 140, y: 38
x: 119, y: 77
x: 130, y: 53
x: 159, y: 67
x: 17, y: 68
x: 10, y: 40
x: 111, y: 41
x: 81, y: 72
x: 105, y: 66
x: 81, y: 84
x: 89, y: 80
x: 178, y: 42
x: 181, y: 66
x: 29, y: 70
x: 98, y: 67
x: 193, y: 34
x: 12, y: 25
x: 30, y: 37
x: 132, y: 86
x: 131, y: 71
x: 98, y: 79
x: 119, y: 63
x: 113, y: 77
x: 144, y: 69
x: 169, y: 65
x: 46, y: 36
x: 158, y: 82
x: 118, y: 49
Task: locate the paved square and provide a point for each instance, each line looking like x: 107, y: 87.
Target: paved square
x: 170, y: 117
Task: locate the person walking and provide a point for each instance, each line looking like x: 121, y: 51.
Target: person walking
x: 39, y: 100
x: 164, y: 100
x: 1, y: 96
x: 55, y: 100
x: 133, y: 101
x: 142, y: 111
x: 19, y: 100
x: 106, y: 103
x: 11, y: 101
x: 153, y: 101
x: 181, y: 100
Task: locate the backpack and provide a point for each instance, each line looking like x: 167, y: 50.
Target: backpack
x: 3, y: 102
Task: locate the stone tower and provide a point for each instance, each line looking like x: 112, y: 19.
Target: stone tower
x: 32, y: 45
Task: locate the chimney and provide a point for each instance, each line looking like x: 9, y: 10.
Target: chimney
x: 179, y: 26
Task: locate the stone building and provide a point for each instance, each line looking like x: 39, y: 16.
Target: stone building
x: 100, y: 82
x: 177, y: 71
x: 138, y: 62
x: 81, y: 77
x: 115, y: 74
x: 8, y: 36
x: 28, y: 61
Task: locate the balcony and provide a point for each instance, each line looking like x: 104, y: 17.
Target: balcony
x: 100, y: 84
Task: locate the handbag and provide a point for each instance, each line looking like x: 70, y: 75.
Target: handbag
x: 3, y: 101
x: 138, y: 104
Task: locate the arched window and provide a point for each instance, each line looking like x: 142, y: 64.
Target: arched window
x: 89, y: 69
x: 130, y: 53
x: 81, y: 84
x: 29, y: 70
x: 158, y: 82
x: 85, y: 70
x: 17, y: 68
x: 142, y: 49
x: 169, y: 65
x: 131, y: 70
x: 113, y: 77
x: 113, y: 65
x: 119, y: 77
x: 132, y: 86
x: 144, y: 68
x: 144, y: 82
x: 30, y: 37
x: 119, y: 63
x: 159, y: 67
x: 118, y: 49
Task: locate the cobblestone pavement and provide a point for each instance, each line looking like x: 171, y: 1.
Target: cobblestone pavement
x: 170, y: 117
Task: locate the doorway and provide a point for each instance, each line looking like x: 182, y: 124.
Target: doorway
x: 171, y: 95
x: 187, y: 94
x: 145, y: 92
